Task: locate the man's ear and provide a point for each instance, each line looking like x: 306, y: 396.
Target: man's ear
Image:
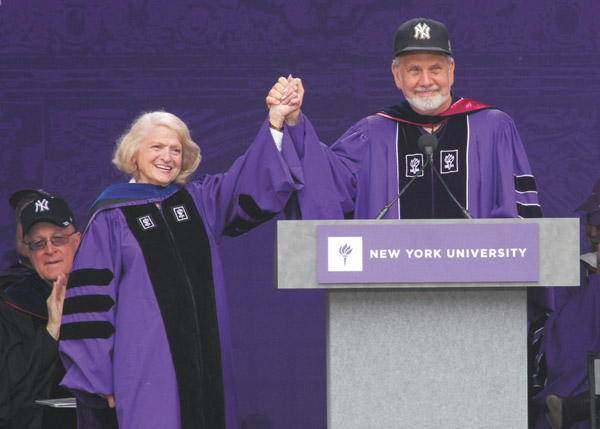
x: 397, y: 79
x: 77, y: 238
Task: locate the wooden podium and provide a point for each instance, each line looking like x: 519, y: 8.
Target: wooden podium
x: 431, y: 354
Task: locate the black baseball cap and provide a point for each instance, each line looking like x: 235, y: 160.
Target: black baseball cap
x: 19, y: 195
x: 47, y: 209
x: 422, y: 34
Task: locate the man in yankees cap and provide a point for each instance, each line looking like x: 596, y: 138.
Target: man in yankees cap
x: 31, y: 313
x: 479, y: 153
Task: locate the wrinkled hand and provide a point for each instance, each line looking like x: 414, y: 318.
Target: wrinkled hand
x: 284, y: 101
x: 110, y: 399
x: 55, y: 305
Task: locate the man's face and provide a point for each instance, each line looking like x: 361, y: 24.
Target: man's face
x: 52, y: 260
x: 592, y: 232
x: 425, y: 80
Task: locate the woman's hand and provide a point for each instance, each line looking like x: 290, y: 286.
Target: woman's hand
x: 284, y: 101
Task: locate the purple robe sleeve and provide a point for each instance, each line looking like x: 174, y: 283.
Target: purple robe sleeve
x: 328, y: 174
x: 497, y: 164
x: 255, y: 188
x: 88, y: 362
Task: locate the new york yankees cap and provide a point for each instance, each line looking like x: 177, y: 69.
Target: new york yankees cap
x: 46, y: 209
x: 19, y: 195
x: 422, y: 34
x: 592, y: 204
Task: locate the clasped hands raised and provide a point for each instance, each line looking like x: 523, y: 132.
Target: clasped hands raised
x: 284, y: 101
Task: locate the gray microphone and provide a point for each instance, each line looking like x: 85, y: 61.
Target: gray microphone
x: 427, y: 144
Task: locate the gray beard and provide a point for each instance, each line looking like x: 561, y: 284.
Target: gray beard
x: 427, y: 104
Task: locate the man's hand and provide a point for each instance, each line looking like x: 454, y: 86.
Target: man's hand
x: 55, y: 305
x: 110, y: 399
x: 284, y: 101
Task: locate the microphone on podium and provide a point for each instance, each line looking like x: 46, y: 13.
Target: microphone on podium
x: 427, y: 144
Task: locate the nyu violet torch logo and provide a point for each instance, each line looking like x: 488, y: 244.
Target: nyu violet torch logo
x: 344, y: 254
x: 345, y: 250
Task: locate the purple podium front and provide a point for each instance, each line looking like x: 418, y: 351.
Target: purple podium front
x: 427, y: 319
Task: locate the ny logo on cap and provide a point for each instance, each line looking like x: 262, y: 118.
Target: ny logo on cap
x: 422, y: 31
x: 41, y: 206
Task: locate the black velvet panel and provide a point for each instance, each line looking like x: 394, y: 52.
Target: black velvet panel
x: 525, y: 184
x: 426, y: 197
x: 529, y: 211
x: 88, y: 304
x: 177, y: 254
x: 90, y: 277
x: 252, y: 209
x: 240, y: 226
x: 193, y: 244
x: 86, y: 330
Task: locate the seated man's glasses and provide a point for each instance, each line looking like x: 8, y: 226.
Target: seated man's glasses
x: 56, y: 240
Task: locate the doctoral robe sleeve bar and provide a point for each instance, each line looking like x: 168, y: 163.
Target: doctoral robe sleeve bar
x: 87, y: 331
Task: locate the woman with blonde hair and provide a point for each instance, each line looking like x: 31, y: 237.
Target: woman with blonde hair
x: 146, y: 331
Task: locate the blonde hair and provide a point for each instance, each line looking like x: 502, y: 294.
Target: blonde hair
x: 130, y: 143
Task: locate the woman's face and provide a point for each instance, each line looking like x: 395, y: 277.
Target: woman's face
x: 159, y: 157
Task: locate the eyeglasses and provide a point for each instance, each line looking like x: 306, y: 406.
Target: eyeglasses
x: 56, y: 240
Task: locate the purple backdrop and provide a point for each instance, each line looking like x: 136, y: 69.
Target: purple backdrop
x: 74, y: 73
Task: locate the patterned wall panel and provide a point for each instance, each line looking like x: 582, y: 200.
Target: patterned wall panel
x: 74, y: 73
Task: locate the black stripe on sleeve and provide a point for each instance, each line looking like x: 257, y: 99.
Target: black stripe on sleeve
x: 240, y: 225
x: 90, y: 277
x: 525, y: 184
x: 86, y: 330
x: 252, y: 209
x: 88, y: 304
x: 529, y: 211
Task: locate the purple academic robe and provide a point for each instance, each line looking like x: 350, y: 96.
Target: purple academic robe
x: 569, y: 333
x: 145, y: 315
x: 366, y: 167
x: 363, y: 170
